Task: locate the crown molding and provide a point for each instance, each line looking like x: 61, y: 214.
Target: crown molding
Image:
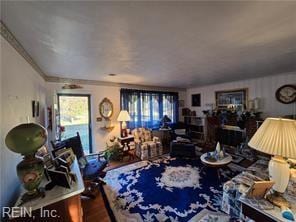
x: 56, y: 79
x: 7, y: 34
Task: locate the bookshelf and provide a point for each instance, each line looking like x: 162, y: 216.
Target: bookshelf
x: 196, y: 127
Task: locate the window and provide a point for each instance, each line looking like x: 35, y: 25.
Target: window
x: 75, y: 116
x: 146, y: 108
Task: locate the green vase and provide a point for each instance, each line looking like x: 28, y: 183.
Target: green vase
x: 30, y: 172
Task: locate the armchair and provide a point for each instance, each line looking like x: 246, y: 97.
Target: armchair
x: 147, y: 146
x: 91, y: 165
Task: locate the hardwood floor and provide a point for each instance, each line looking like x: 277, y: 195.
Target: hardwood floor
x: 95, y: 210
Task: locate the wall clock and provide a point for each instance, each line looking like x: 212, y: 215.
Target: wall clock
x: 286, y: 94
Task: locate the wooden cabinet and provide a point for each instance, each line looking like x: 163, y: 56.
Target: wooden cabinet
x: 127, y: 140
x: 255, y: 214
x: 196, y: 127
x: 67, y: 210
x: 59, y: 204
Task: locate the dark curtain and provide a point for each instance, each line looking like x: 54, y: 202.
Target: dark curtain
x: 146, y: 108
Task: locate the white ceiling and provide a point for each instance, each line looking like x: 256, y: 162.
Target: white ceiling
x: 173, y: 44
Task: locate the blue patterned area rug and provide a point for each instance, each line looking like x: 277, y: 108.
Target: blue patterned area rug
x: 167, y: 189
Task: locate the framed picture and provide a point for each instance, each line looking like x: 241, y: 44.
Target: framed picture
x: 195, y: 99
x: 35, y: 108
x: 259, y: 189
x: 235, y: 99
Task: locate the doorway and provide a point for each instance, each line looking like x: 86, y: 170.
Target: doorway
x: 75, y: 116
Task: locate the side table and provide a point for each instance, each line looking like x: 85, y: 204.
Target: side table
x: 127, y: 140
x: 165, y: 136
x: 217, y: 164
x: 65, y: 203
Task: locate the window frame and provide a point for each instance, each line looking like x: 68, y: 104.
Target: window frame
x: 128, y: 94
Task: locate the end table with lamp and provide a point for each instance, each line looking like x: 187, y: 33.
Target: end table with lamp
x: 26, y: 139
x: 127, y: 139
x: 165, y: 136
x: 123, y: 117
x: 164, y: 122
x: 277, y: 137
x: 129, y: 142
x: 165, y: 131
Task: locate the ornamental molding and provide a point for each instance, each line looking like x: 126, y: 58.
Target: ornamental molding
x: 11, y: 39
x: 56, y: 79
x: 7, y: 34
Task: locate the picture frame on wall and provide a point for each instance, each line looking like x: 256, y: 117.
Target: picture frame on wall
x: 195, y: 100
x: 227, y: 98
x: 35, y: 108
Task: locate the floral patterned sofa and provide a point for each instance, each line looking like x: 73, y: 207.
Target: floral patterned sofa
x: 147, y: 146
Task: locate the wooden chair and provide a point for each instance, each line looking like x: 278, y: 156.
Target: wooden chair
x: 91, y: 165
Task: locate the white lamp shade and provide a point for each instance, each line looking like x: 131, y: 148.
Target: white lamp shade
x: 277, y: 137
x: 123, y: 116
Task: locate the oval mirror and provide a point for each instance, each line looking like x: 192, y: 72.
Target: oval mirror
x: 106, y: 108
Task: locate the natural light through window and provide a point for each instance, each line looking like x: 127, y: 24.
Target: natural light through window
x: 147, y: 108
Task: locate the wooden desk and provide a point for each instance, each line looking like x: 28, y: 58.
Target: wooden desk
x: 63, y: 203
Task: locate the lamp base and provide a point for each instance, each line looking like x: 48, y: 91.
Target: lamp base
x: 39, y: 192
x: 124, y: 133
x: 123, y: 129
x: 277, y: 199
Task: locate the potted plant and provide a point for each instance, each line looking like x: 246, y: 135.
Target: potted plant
x: 113, y: 150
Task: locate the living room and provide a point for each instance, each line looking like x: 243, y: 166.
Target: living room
x: 176, y: 103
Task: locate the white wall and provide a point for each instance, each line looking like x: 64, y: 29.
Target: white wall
x: 1, y: 136
x: 20, y: 85
x: 98, y: 93
x: 263, y: 88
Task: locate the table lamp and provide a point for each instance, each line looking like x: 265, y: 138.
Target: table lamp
x: 123, y: 117
x: 164, y: 121
x: 26, y: 139
x: 277, y: 137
